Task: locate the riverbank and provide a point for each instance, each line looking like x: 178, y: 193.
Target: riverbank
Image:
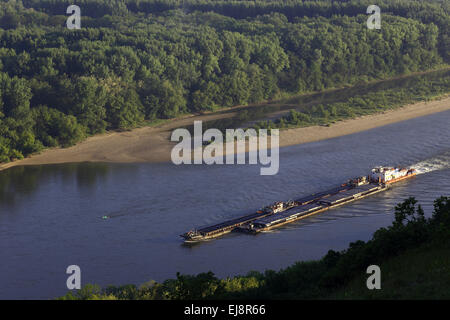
x: 152, y: 144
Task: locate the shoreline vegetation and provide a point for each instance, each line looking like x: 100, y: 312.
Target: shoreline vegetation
x: 143, y: 61
x: 407, y: 252
x: 152, y: 143
x: 362, y: 104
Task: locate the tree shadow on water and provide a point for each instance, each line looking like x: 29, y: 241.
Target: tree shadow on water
x: 21, y: 182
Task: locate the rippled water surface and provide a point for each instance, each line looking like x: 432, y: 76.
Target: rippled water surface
x: 51, y: 216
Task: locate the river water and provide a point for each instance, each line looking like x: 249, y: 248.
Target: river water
x: 51, y: 216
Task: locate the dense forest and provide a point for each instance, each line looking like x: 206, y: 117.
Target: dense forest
x: 140, y: 60
x: 411, y: 237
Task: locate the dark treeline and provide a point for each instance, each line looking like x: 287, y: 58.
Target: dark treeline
x: 241, y: 8
x: 134, y: 61
x: 320, y: 279
x: 416, y: 89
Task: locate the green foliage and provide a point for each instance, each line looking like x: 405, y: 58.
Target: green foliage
x: 54, y: 128
x: 124, y: 110
x: 407, y: 213
x: 162, y: 99
x: 88, y: 292
x: 420, y: 273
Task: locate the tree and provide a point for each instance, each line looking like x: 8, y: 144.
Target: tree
x: 162, y: 99
x: 55, y: 128
x: 89, y: 99
x: 16, y: 96
x: 407, y: 213
x: 124, y: 109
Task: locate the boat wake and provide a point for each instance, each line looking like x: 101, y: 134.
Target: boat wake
x: 436, y: 163
x: 106, y: 217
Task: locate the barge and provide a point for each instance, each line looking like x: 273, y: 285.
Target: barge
x: 280, y: 213
x: 209, y: 232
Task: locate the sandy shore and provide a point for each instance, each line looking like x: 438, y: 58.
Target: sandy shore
x: 151, y: 144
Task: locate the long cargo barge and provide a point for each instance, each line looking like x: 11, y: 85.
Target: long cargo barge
x: 281, y: 213
x: 209, y: 232
x: 305, y: 211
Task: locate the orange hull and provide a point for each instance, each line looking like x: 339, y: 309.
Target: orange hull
x: 401, y: 178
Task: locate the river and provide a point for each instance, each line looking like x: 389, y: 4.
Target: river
x: 51, y: 215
